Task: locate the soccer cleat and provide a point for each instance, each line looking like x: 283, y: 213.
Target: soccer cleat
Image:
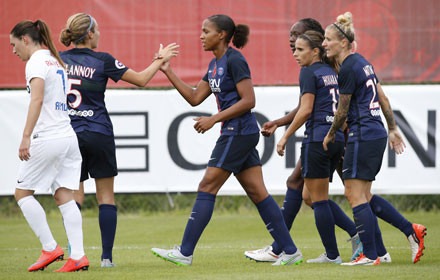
x: 286, y: 259
x: 107, y: 263
x: 75, y: 265
x: 356, y: 247
x: 324, y: 259
x: 362, y: 260
x: 173, y: 256
x: 46, y: 258
x: 262, y: 255
x: 385, y: 258
x: 417, y: 242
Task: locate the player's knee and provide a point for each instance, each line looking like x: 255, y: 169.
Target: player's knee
x: 295, y: 182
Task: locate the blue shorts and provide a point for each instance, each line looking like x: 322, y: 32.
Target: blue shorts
x: 317, y: 163
x: 98, y: 153
x: 362, y: 160
x: 235, y: 153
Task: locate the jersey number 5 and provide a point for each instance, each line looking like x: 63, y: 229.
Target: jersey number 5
x: 77, y: 95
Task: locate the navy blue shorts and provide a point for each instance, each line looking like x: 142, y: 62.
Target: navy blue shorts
x: 317, y: 163
x: 98, y: 153
x: 362, y: 160
x: 235, y: 153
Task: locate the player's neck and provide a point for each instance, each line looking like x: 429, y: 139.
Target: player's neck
x: 218, y: 53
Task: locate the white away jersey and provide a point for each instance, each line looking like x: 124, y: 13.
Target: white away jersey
x: 54, y: 121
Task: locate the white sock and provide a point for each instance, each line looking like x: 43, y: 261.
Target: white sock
x: 73, y: 225
x: 36, y: 217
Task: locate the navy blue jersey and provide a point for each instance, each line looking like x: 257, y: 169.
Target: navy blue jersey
x: 357, y: 77
x: 222, y: 76
x: 88, y: 72
x: 322, y: 81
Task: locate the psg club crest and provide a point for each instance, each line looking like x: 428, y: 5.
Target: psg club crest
x: 221, y: 71
x: 119, y: 64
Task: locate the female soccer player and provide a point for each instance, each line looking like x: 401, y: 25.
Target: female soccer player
x: 360, y: 102
x: 228, y: 78
x: 88, y: 73
x: 49, y: 148
x: 319, y: 95
x: 295, y: 192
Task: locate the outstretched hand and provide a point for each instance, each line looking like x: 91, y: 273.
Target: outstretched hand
x: 167, y: 53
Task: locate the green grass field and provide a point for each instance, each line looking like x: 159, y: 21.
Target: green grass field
x: 219, y: 254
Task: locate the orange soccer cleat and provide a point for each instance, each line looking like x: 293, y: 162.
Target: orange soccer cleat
x: 47, y: 258
x: 75, y: 265
x: 417, y: 242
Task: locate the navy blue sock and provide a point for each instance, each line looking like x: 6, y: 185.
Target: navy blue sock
x: 107, y: 223
x: 386, y: 211
x: 364, y: 220
x: 291, y: 205
x: 200, y: 216
x: 341, y: 219
x: 325, y: 223
x: 380, y: 247
x: 273, y: 219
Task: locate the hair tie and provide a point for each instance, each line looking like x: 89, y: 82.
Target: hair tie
x: 343, y: 33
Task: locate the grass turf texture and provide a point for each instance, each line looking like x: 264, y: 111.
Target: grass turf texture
x: 219, y: 254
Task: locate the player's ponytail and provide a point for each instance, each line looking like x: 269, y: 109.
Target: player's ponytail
x: 39, y: 33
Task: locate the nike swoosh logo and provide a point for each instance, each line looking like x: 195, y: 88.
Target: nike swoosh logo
x: 19, y: 182
x: 344, y: 170
x: 170, y: 255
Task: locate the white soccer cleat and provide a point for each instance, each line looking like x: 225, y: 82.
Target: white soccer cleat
x: 385, y: 258
x: 262, y: 255
x: 174, y: 255
x: 362, y: 260
x: 324, y: 259
x: 106, y: 263
x: 286, y: 259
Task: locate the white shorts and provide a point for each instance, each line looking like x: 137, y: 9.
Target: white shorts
x: 54, y: 163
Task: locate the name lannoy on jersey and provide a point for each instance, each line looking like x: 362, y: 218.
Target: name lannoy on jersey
x: 81, y: 71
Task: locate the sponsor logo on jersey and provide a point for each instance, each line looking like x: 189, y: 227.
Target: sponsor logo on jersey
x: 215, y: 85
x: 85, y: 113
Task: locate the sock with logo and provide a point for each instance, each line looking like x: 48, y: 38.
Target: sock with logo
x: 386, y: 211
x: 200, y: 216
x: 325, y: 223
x: 273, y: 219
x: 364, y: 220
x: 291, y: 206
